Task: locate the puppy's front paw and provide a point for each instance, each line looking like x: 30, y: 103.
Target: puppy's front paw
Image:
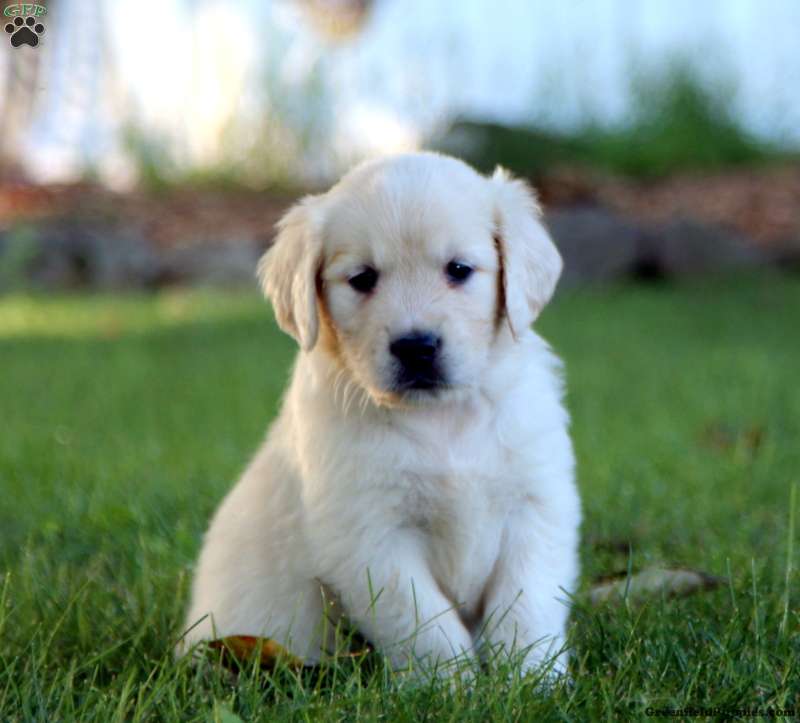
x: 458, y: 674
x: 546, y: 673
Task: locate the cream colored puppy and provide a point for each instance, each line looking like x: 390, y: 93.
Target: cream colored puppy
x: 420, y: 472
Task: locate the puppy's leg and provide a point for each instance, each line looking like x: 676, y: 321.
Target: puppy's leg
x: 252, y: 577
x: 290, y: 612
x: 389, y: 593
x: 527, y: 599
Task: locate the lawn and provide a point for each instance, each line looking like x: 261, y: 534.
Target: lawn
x: 125, y: 419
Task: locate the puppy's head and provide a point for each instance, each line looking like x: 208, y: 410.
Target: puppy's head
x: 408, y: 272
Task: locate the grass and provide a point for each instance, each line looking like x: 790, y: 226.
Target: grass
x: 677, y: 123
x: 124, y: 420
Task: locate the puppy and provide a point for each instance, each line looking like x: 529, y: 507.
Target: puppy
x: 419, y: 477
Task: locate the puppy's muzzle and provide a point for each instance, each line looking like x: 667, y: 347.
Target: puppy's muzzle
x: 419, y: 367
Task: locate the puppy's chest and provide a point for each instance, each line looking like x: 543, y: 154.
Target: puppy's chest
x: 459, y: 478
x: 449, y: 500
x: 459, y: 504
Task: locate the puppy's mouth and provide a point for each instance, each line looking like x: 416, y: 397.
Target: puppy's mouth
x: 417, y: 391
x: 427, y: 381
x: 420, y: 384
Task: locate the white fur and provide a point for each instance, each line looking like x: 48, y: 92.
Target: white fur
x: 437, y: 524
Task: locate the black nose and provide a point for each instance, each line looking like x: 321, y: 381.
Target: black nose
x: 416, y: 349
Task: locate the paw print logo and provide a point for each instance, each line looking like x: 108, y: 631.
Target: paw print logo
x: 24, y: 32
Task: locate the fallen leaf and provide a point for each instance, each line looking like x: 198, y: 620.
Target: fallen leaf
x: 237, y: 649
x: 724, y: 437
x: 242, y: 648
x: 657, y: 581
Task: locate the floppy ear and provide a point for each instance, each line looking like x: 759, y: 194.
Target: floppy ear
x: 288, y: 273
x: 531, y: 263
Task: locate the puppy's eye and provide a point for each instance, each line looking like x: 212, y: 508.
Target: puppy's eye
x: 458, y: 273
x: 365, y: 281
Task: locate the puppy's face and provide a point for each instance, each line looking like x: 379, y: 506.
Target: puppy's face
x: 404, y: 272
x: 410, y: 280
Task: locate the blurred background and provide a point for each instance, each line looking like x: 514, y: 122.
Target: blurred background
x: 149, y: 144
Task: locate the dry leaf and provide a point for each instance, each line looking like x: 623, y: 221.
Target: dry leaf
x: 242, y: 648
x: 723, y: 438
x: 237, y: 649
x: 658, y: 581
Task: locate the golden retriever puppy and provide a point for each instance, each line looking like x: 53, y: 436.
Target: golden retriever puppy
x: 420, y: 472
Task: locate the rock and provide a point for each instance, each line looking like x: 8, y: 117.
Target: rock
x: 230, y: 262
x: 685, y: 248
x: 70, y: 255
x: 121, y: 259
x: 596, y: 245
x: 599, y: 246
x: 787, y: 254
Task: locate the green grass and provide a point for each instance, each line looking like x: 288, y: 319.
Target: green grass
x: 124, y: 420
